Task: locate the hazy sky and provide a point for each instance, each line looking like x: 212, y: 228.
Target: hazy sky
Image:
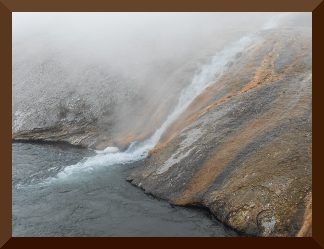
x: 121, y: 36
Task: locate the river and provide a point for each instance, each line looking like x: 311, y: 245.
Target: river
x: 94, y: 202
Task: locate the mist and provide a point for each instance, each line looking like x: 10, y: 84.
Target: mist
x: 113, y: 71
x: 127, y: 41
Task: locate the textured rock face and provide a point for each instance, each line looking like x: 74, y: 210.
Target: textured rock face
x: 243, y: 148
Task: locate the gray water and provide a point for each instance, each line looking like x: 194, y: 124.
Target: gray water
x: 98, y: 202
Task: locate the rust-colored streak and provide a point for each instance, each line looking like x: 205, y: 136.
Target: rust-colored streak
x: 264, y: 75
x: 231, y: 146
x: 248, y: 67
x: 306, y: 229
x: 227, y: 88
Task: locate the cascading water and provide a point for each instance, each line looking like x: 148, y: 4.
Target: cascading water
x: 204, y: 77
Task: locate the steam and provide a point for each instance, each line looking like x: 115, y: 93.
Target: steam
x: 128, y: 42
x: 107, y: 66
x: 274, y: 20
x: 137, y: 151
x: 132, y: 45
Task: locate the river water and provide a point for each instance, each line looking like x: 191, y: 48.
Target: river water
x: 97, y: 202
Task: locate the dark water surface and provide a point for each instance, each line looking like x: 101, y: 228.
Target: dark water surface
x: 98, y: 202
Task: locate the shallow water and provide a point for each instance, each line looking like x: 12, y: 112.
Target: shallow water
x: 97, y: 202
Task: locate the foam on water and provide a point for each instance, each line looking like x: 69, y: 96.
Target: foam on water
x: 107, y: 150
x: 204, y: 77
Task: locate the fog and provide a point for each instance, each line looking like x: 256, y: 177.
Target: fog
x: 107, y: 69
x: 128, y: 41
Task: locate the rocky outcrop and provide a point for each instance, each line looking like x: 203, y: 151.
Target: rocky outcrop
x: 243, y: 148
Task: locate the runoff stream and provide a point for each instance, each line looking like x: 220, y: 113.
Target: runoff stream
x: 59, y: 190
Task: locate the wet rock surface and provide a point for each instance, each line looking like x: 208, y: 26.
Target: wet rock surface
x: 243, y: 148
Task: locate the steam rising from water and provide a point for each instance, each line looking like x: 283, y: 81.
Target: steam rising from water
x: 207, y: 75
x: 204, y: 77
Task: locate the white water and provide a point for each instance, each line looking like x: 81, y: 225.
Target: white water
x: 207, y: 75
x: 107, y: 150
